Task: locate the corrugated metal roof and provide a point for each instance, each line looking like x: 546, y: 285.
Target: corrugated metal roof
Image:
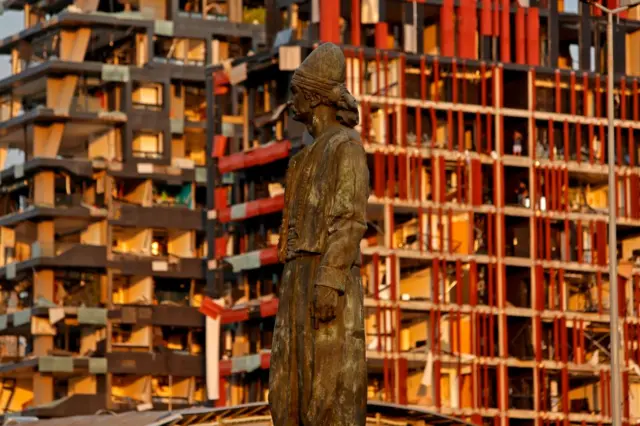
x: 147, y: 418
x: 414, y: 412
x: 258, y: 411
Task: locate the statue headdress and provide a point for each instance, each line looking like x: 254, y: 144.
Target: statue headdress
x: 323, y: 73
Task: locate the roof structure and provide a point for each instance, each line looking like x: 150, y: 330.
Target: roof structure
x: 246, y: 414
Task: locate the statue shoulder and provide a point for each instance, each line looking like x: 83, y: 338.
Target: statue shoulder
x: 295, y: 160
x: 346, y: 138
x: 349, y: 140
x: 347, y: 133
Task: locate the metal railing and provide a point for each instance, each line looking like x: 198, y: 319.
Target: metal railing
x: 169, y: 262
x: 432, y: 243
x: 152, y: 155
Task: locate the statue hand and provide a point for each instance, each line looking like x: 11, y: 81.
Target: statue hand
x: 325, y: 303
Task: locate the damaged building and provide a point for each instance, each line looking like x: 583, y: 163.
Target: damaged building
x: 485, y: 260
x: 103, y: 197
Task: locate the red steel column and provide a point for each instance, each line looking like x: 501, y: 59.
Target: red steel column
x: 330, y: 20
x: 533, y: 36
x: 381, y: 36
x: 447, y: 29
x: 355, y: 23
x: 521, y: 40
x: 505, y: 36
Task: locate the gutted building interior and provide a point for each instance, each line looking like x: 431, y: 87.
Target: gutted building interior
x: 143, y: 149
x: 485, y: 263
x: 103, y: 197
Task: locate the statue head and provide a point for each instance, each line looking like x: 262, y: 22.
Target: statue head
x: 318, y: 87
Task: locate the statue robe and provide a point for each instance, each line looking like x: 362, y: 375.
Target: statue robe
x: 318, y: 376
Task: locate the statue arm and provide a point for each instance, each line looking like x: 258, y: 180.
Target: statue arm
x: 347, y: 216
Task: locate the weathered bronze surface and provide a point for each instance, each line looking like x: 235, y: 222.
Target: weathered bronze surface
x: 318, y: 368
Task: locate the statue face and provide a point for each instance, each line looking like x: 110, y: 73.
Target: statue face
x: 300, y: 106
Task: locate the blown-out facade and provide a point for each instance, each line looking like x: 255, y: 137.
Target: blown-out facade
x: 485, y: 262
x: 103, y: 199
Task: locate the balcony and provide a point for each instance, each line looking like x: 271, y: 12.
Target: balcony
x: 157, y: 364
x: 158, y: 216
x: 169, y: 266
x: 61, y: 366
x: 158, y: 315
x: 36, y: 318
x: 24, y: 209
x: 72, y: 405
x: 223, y: 11
x: 55, y: 255
x: 94, y: 102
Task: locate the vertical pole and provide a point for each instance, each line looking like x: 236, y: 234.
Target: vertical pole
x: 330, y: 21
x: 170, y: 392
x: 616, y: 391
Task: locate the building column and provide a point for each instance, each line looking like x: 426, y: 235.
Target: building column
x: 330, y: 21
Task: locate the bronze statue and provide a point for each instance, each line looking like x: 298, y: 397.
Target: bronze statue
x: 318, y: 369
